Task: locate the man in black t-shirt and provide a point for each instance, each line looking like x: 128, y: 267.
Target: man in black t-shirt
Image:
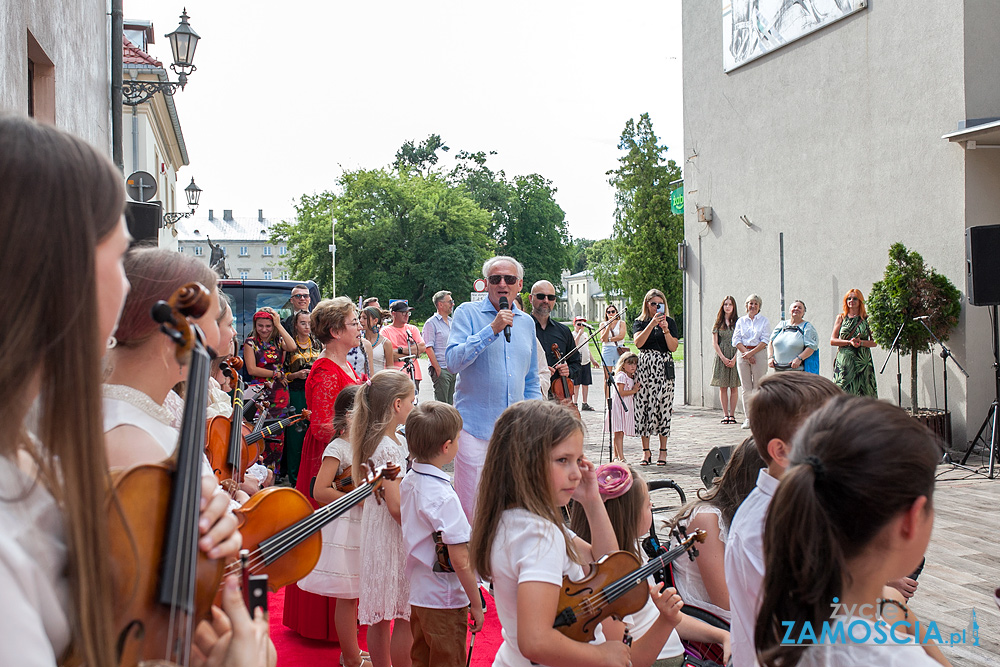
x: 548, y: 331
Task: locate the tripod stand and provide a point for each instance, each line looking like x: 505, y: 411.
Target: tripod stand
x: 992, y: 414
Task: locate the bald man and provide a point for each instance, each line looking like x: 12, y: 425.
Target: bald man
x: 548, y: 331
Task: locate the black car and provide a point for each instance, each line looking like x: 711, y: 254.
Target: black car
x: 249, y: 296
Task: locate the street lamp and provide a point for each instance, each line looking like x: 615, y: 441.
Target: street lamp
x: 192, y: 193
x: 183, y: 42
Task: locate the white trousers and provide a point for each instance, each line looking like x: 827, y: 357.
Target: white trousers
x: 468, y: 467
x: 751, y: 375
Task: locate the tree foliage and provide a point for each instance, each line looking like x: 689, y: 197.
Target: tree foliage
x: 643, y: 249
x: 526, y: 221
x: 578, y: 254
x: 909, y: 289
x: 420, y: 158
x: 308, y: 240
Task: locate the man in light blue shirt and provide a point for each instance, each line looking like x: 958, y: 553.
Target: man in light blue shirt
x: 492, y: 373
x: 437, y: 331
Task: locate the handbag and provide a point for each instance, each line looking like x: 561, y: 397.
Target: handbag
x: 622, y: 350
x: 671, y: 372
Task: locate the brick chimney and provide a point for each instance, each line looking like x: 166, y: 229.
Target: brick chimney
x: 211, y: 215
x: 227, y: 214
x: 260, y: 215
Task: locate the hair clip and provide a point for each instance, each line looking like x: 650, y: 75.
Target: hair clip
x: 368, y: 382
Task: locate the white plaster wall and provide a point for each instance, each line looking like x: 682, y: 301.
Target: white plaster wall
x: 833, y: 140
x: 73, y: 34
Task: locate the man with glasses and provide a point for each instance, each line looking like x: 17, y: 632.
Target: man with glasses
x: 549, y: 332
x: 492, y: 373
x: 299, y: 300
x: 437, y: 329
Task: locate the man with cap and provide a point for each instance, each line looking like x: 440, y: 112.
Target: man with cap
x: 404, y: 337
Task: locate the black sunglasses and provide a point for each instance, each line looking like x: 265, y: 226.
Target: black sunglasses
x: 543, y: 297
x: 610, y: 311
x: 300, y: 296
x: 495, y: 279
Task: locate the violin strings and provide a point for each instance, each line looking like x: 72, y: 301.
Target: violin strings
x: 619, y: 587
x: 293, y: 535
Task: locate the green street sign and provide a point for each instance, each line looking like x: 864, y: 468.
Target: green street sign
x: 677, y: 201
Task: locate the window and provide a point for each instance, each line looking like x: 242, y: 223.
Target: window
x: 244, y: 251
x: 267, y: 251
x: 244, y: 274
x: 267, y: 274
x: 41, y: 77
x: 198, y: 250
x: 283, y: 250
x: 284, y: 275
x: 180, y: 248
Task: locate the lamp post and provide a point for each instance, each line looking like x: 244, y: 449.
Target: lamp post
x: 192, y: 193
x: 183, y: 42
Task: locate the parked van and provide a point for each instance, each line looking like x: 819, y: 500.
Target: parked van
x: 249, y: 296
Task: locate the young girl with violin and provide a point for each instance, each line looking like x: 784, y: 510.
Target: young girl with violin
x: 535, y: 465
x: 337, y: 573
x: 380, y: 407
x: 55, y: 567
x: 626, y: 498
x: 842, y: 524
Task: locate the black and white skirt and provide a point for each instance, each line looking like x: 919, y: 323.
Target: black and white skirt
x: 654, y: 402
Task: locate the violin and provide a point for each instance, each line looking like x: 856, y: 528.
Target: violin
x: 615, y: 587
x: 164, y: 584
x: 281, y: 530
x: 230, y: 451
x: 562, y: 386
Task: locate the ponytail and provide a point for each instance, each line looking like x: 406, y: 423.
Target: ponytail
x: 836, y: 496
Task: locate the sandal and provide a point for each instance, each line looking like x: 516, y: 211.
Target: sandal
x: 647, y: 457
x: 662, y: 460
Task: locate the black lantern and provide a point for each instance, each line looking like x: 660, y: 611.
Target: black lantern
x: 193, y: 194
x: 183, y: 42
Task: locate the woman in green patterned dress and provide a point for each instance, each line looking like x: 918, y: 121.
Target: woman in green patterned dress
x: 853, y: 370
x: 724, y: 374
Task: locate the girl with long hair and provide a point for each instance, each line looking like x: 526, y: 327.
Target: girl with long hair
x: 853, y: 369
x: 702, y: 583
x: 380, y: 407
x: 842, y: 524
x: 623, y: 409
x: 371, y: 320
x: 297, y: 366
x: 54, y: 478
x: 626, y: 499
x: 724, y: 373
x: 535, y: 465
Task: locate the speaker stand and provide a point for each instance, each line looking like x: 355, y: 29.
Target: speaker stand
x: 992, y: 414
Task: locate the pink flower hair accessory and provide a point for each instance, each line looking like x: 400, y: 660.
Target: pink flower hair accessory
x: 613, y: 480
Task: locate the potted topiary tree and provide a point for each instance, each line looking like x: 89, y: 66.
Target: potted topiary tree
x: 909, y: 289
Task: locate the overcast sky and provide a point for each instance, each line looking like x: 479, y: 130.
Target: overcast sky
x: 289, y: 94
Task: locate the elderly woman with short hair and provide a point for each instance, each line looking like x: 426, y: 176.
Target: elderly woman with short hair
x: 750, y: 336
x: 792, y: 341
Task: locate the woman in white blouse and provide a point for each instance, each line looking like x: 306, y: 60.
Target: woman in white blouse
x: 752, y: 332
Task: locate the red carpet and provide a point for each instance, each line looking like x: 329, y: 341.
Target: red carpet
x: 296, y: 651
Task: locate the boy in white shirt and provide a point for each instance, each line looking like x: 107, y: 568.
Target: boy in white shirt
x: 441, y: 585
x: 779, y: 406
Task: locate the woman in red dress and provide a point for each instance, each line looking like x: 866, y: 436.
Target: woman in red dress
x: 335, y: 323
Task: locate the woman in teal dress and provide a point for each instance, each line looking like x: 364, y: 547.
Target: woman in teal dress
x: 853, y: 370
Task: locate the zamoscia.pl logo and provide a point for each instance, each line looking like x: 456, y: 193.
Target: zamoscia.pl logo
x: 848, y: 624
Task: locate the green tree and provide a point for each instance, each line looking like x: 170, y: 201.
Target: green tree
x: 644, y: 241
x: 909, y: 289
x: 526, y: 221
x: 308, y: 240
x: 578, y: 254
x: 422, y: 157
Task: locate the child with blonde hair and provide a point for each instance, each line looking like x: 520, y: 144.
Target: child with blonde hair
x: 380, y: 407
x: 623, y: 405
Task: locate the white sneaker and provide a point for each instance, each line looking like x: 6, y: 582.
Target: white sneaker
x: 746, y: 423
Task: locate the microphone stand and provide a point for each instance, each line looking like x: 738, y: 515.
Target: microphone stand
x: 899, y: 375
x: 945, y: 354
x: 610, y: 382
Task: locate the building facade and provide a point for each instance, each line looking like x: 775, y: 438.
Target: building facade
x: 244, y: 242
x: 835, y: 144
x: 54, y: 65
x: 152, y: 138
x: 583, y: 297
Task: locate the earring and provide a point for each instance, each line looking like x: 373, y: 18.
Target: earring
x: 112, y: 342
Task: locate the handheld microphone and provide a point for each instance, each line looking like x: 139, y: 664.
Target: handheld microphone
x: 505, y: 305
x: 922, y: 317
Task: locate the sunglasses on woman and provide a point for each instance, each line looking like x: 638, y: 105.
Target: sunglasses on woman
x: 495, y: 279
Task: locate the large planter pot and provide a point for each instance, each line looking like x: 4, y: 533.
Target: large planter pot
x: 938, y: 421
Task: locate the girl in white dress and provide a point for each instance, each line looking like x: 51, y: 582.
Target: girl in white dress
x: 841, y: 524
x: 702, y: 582
x: 380, y: 407
x: 535, y: 465
x: 623, y: 409
x: 338, y: 570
